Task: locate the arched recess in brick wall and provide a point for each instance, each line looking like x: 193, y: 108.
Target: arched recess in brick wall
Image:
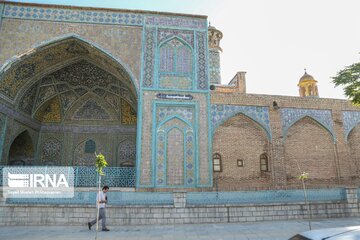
x: 22, y: 150
x: 354, y: 143
x: 70, y: 84
x: 309, y: 146
x: 241, y: 138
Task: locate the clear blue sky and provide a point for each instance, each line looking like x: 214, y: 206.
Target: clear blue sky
x: 272, y: 40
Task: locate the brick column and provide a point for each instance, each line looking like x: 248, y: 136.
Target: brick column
x: 352, y: 202
x: 179, y: 199
x: 277, y: 147
x: 345, y: 166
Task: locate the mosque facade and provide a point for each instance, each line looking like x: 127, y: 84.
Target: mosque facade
x: 144, y: 89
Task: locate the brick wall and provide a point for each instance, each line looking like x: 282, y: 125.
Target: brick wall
x: 309, y: 148
x: 354, y: 145
x: 240, y: 138
x: 329, y: 163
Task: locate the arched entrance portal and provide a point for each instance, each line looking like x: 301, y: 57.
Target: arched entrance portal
x: 84, y: 100
x: 22, y: 150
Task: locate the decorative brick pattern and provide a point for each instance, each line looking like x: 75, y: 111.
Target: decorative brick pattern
x: 350, y: 120
x: 91, y: 110
x: 175, y: 157
x: 59, y: 37
x: 127, y: 153
x: 51, y: 151
x: 88, y: 129
x: 28, y: 99
x: 289, y: 116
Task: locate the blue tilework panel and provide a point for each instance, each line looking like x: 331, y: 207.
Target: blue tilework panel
x: 289, y: 116
x: 350, y: 120
x: 88, y: 177
x: 214, y: 66
x: 168, y: 118
x: 114, y: 177
x: 165, y: 34
x: 114, y: 198
x: 100, y: 16
x: 72, y: 15
x: 149, y: 56
x: 176, y: 61
x: 176, y: 22
x: 186, y: 113
x: 221, y: 113
x: 202, y: 73
x: 274, y: 196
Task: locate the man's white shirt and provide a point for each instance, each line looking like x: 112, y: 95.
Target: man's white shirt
x: 101, y: 196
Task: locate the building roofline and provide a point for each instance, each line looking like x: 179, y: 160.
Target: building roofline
x: 103, y: 9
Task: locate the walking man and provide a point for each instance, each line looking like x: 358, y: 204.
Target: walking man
x: 101, y: 200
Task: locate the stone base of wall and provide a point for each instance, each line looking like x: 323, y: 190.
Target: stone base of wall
x: 177, y: 213
x: 11, y: 215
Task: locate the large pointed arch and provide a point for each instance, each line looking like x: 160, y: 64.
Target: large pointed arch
x: 309, y: 147
x: 220, y: 113
x: 312, y: 119
x: 22, y: 150
x: 289, y: 116
x: 241, y: 141
x: 21, y: 71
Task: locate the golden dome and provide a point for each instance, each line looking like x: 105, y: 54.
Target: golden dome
x: 308, y: 86
x: 307, y: 78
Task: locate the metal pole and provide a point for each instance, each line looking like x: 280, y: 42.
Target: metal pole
x: 98, y: 209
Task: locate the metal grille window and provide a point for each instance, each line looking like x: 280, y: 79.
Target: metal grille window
x: 217, y: 162
x: 90, y: 146
x: 264, y: 164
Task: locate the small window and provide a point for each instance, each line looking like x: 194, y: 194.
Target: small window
x: 90, y: 146
x: 264, y: 164
x: 240, y: 163
x: 217, y: 162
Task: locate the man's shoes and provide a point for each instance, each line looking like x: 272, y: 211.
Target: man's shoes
x: 105, y: 230
x: 89, y: 225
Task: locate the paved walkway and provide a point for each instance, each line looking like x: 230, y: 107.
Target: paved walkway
x: 276, y: 230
